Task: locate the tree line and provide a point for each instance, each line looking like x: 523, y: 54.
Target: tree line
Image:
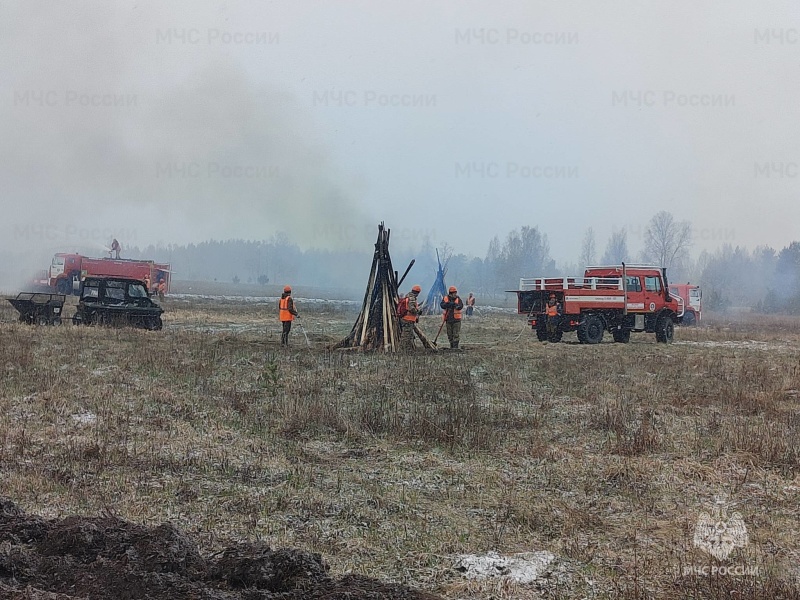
x: 731, y: 276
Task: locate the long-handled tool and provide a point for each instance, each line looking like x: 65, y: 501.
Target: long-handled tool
x: 303, y: 329
x: 438, y: 332
x: 444, y: 320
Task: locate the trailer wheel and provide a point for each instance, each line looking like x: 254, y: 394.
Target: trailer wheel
x: 42, y: 320
x: 57, y: 321
x: 591, y: 330
x: 689, y: 319
x: 622, y: 336
x: 665, y: 329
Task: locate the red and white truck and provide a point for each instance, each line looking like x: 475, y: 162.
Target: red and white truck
x: 617, y: 298
x: 692, y: 298
x: 68, y: 270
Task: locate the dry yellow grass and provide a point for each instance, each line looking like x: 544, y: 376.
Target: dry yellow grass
x: 391, y: 466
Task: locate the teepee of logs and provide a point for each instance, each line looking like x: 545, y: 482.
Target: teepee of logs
x: 432, y: 304
x: 377, y: 326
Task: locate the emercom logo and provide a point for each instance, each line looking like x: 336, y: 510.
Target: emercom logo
x: 718, y: 533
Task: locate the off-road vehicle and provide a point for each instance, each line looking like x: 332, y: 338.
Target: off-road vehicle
x: 115, y: 301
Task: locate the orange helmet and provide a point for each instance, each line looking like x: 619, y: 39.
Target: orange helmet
x: 416, y: 289
x: 287, y: 288
x: 452, y: 289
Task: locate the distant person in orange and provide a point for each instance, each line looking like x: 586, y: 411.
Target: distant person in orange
x: 115, y: 247
x: 553, y: 312
x: 147, y: 283
x: 470, y: 304
x: 160, y: 287
x: 286, y: 314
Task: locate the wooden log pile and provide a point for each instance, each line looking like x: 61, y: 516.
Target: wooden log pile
x: 377, y: 326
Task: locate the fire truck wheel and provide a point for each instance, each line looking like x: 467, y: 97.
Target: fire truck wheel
x: 623, y: 336
x: 591, y: 330
x: 541, y: 334
x: 556, y: 336
x: 665, y: 329
x: 689, y: 319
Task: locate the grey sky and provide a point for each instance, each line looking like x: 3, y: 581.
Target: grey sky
x: 459, y: 120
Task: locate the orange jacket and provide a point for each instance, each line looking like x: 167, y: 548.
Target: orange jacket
x: 286, y: 308
x: 452, y: 308
x: 552, y: 310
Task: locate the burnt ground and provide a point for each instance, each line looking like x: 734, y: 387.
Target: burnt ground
x: 107, y: 557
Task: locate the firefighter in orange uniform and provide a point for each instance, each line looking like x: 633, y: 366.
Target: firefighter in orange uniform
x: 452, y: 306
x: 409, y: 319
x: 470, y: 304
x: 553, y: 312
x: 147, y: 283
x: 286, y: 314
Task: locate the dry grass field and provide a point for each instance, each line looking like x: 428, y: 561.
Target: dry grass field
x: 394, y: 466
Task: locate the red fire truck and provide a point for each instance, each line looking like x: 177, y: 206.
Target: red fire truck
x: 692, y: 301
x: 618, y: 299
x: 68, y: 270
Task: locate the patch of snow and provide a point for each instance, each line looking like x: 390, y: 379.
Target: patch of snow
x: 264, y: 299
x: 102, y: 371
x: 309, y: 301
x: 86, y: 418
x: 743, y: 344
x: 525, y: 567
x: 478, y: 372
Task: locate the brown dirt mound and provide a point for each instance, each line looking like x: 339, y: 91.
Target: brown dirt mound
x: 106, y: 557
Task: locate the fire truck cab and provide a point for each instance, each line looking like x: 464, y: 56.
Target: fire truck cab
x: 692, y: 301
x: 617, y: 298
x: 65, y: 273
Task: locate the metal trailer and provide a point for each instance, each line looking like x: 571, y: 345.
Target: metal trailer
x: 39, y: 309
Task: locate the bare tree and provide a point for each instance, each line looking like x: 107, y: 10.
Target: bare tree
x: 617, y: 247
x: 589, y: 248
x: 492, y: 263
x: 667, y: 241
